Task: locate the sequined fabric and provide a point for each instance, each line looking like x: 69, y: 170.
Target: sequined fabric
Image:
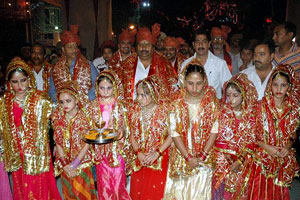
x: 234, y: 133
x: 159, y: 66
x: 68, y: 135
x: 119, y: 118
x: 81, y: 74
x: 47, y: 68
x: 198, y: 130
x: 276, y: 129
x: 33, y: 133
x: 149, y: 135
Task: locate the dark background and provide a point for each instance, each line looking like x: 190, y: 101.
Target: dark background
x: 252, y: 16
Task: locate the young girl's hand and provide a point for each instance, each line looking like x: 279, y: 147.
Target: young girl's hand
x: 235, y: 166
x: 141, y: 157
x: 283, y: 152
x: 193, y: 162
x: 120, y: 133
x: 70, y: 171
x: 151, y: 158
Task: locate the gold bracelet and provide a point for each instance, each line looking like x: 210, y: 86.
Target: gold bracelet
x: 239, y: 161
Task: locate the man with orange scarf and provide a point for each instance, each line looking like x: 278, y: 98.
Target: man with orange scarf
x: 172, y: 54
x: 126, y: 40
x: 221, y: 49
x: 145, y: 63
x: 73, y: 66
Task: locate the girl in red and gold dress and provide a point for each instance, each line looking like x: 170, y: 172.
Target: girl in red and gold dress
x: 73, y: 156
x: 111, y: 159
x: 24, y: 126
x: 272, y: 165
x: 235, y: 130
x: 194, y: 129
x: 148, y: 119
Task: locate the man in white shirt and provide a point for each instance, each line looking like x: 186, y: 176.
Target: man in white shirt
x: 41, y: 69
x: 215, y: 68
x: 107, y: 49
x: 260, y: 73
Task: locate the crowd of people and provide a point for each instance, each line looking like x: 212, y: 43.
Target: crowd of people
x: 211, y: 121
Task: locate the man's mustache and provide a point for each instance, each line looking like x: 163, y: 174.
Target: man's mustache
x: 144, y: 52
x: 257, y: 62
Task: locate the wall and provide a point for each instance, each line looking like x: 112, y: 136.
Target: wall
x: 293, y: 15
x: 90, y: 15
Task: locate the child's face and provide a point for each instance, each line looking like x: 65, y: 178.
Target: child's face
x: 68, y: 102
x: 105, y: 89
x: 143, y: 98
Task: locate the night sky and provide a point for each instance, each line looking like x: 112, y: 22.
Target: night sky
x: 252, y: 15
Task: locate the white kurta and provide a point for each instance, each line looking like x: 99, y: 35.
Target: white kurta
x: 39, y: 79
x: 197, y: 186
x: 140, y: 74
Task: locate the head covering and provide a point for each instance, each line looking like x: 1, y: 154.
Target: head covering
x: 246, y: 87
x: 69, y: 87
x: 18, y: 63
x: 162, y: 36
x: 155, y: 87
x: 223, y: 31
x: 117, y: 86
x: 127, y: 35
x: 145, y: 34
x: 293, y: 93
x: 108, y: 44
x: 180, y: 41
x: 181, y: 76
x: 70, y: 36
x: 171, y: 42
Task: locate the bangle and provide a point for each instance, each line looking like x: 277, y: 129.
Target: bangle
x: 62, y: 161
x: 160, y: 153
x: 75, y: 163
x: 239, y: 161
x: 157, y: 153
x: 188, y: 157
x: 202, y: 156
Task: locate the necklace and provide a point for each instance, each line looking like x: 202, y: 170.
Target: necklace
x: 279, y: 110
x: 147, y: 114
x: 20, y: 101
x: 106, y: 100
x: 238, y: 113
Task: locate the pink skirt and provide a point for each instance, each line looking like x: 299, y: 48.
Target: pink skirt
x: 111, y: 181
x: 5, y: 193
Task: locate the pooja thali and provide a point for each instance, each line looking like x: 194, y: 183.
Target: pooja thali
x: 100, y: 136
